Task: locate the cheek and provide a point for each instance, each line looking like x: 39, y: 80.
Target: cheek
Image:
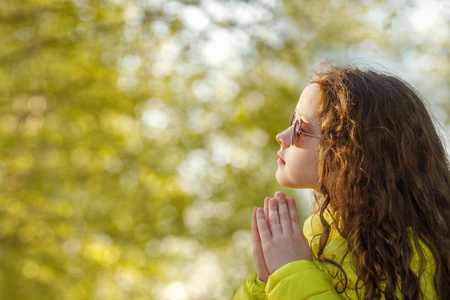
x: 303, y: 166
x: 303, y: 159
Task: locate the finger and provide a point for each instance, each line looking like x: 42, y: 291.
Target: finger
x: 263, y: 230
x: 292, y: 205
x: 274, y: 219
x: 258, y: 254
x: 281, y: 194
x: 283, y: 213
x: 255, y: 232
x: 266, y: 211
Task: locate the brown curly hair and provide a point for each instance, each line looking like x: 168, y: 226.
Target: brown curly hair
x: 384, y: 171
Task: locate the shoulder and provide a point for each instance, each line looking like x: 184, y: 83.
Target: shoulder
x: 313, y: 225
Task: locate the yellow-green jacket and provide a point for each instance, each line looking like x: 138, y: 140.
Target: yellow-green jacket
x: 311, y: 279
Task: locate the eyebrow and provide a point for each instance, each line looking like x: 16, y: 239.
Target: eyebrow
x: 305, y: 120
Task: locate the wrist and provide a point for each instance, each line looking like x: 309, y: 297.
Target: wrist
x: 260, y: 281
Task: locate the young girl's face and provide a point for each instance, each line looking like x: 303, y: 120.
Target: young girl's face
x: 297, y: 163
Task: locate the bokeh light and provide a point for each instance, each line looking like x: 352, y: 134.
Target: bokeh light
x: 137, y: 135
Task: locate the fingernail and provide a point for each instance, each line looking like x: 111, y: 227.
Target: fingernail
x: 260, y: 213
x: 280, y: 195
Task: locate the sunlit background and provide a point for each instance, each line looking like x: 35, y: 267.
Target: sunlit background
x: 137, y: 136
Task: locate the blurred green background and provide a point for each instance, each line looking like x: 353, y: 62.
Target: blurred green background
x: 137, y: 136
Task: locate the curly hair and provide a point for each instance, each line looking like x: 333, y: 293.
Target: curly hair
x: 384, y: 171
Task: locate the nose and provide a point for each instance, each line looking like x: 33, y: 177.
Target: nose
x: 284, y: 138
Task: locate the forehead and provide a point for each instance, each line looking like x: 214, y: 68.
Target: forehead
x: 307, y: 104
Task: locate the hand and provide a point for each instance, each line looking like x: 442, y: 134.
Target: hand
x: 282, y: 241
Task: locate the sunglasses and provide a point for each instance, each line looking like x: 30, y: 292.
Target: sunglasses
x: 297, y: 129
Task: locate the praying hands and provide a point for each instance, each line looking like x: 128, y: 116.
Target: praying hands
x: 277, y: 235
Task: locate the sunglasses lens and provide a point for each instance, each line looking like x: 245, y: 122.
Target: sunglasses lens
x: 292, y: 120
x: 297, y: 127
x: 295, y: 132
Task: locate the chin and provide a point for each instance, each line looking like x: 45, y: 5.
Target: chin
x: 282, y: 180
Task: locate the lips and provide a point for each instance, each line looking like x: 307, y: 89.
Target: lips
x: 281, y: 160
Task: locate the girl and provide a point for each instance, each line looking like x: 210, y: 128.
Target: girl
x: 366, y: 144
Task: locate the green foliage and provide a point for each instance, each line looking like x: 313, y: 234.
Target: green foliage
x: 137, y: 136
